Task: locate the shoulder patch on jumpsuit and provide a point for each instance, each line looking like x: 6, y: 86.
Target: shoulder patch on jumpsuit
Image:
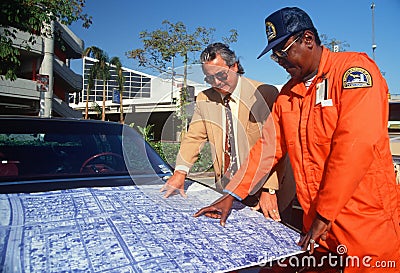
x: 356, y: 77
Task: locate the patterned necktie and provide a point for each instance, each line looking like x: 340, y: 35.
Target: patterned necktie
x: 230, y: 149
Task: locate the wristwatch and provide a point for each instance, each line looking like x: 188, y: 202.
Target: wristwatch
x: 270, y: 191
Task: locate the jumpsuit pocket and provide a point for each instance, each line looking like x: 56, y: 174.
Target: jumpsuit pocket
x: 325, y: 120
x: 290, y: 123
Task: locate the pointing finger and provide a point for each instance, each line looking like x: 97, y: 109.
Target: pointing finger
x: 163, y: 188
x: 169, y: 192
x: 182, y: 192
x: 203, y: 211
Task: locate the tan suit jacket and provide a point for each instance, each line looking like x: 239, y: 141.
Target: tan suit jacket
x: 256, y: 100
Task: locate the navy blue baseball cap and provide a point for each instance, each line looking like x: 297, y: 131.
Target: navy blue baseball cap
x: 284, y: 23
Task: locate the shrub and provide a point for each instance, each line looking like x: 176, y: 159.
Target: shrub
x: 169, y: 150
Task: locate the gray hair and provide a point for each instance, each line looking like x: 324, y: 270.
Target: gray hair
x: 228, y: 55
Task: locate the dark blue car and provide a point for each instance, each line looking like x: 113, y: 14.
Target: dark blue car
x: 84, y: 196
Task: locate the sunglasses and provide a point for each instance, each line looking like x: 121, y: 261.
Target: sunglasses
x: 280, y: 54
x: 221, y: 76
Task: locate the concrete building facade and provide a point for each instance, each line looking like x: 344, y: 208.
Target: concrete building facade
x: 49, y: 59
x: 147, y: 99
x: 47, y: 86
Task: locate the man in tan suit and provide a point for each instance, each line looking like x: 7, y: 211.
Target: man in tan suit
x: 250, y: 103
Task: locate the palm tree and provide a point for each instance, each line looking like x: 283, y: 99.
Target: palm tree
x: 104, y: 75
x: 90, y: 86
x: 121, y: 81
x: 99, y: 70
x: 93, y: 52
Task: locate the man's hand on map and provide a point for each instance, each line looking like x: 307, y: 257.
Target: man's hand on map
x: 174, y: 184
x: 220, y: 209
x: 319, y: 230
x: 269, y: 205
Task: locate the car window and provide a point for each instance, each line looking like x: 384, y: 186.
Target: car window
x: 75, y: 152
x: 394, y: 115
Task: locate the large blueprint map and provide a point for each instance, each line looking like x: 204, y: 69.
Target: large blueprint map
x: 133, y: 229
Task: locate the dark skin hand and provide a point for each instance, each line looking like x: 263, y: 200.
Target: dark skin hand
x: 319, y: 230
x: 220, y: 209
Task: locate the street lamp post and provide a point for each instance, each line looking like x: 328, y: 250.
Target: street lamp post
x: 172, y: 80
x: 373, y: 31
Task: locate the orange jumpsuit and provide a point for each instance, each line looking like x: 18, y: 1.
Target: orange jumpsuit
x: 339, y: 150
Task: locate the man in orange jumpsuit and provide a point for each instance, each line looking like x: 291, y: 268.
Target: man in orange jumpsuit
x: 331, y: 118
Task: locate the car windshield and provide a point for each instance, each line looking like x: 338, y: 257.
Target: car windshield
x: 74, y: 149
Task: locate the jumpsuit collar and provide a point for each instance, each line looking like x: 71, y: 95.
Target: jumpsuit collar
x: 324, y: 63
x: 323, y: 68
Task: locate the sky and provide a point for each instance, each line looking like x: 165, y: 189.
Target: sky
x: 117, y: 24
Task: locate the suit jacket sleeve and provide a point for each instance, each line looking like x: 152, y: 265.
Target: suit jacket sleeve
x: 194, y: 139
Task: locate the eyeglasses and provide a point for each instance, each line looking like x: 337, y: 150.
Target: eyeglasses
x: 221, y: 76
x: 280, y: 54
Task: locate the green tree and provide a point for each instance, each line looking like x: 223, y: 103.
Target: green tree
x: 147, y: 132
x: 95, y: 53
x: 333, y: 44
x: 92, y: 52
x: 162, y: 46
x: 32, y: 16
x: 99, y: 71
x: 115, y: 61
x: 90, y: 86
x: 104, y: 74
x: 96, y: 108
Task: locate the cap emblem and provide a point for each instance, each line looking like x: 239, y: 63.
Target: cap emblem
x: 270, y: 30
